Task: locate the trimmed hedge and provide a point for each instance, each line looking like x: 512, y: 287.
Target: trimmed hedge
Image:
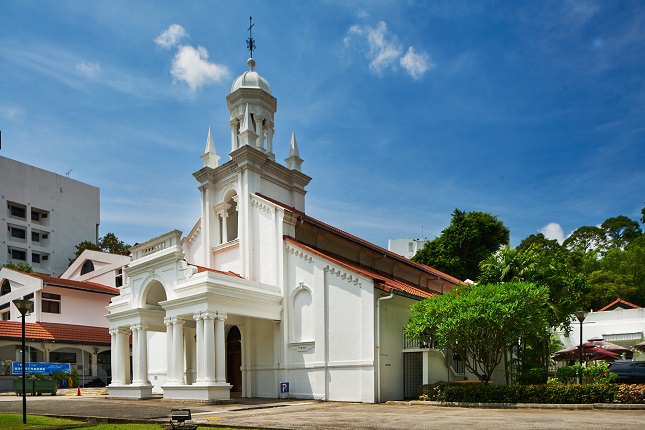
x: 547, y: 393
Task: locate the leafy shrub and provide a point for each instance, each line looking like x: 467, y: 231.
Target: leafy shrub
x: 557, y: 394
x: 631, y: 393
x: 598, y: 374
x: 433, y: 391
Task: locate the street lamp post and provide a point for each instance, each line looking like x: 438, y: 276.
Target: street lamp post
x: 24, y: 307
x: 581, y: 315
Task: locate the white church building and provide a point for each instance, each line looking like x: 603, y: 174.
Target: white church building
x: 258, y: 293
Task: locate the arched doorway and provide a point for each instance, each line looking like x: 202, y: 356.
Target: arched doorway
x: 234, y: 359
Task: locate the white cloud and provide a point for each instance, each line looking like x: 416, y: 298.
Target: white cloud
x: 553, y: 230
x: 384, y: 51
x: 171, y: 37
x: 416, y: 64
x: 191, y: 66
x: 88, y: 69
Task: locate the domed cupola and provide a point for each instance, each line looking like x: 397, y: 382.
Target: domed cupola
x: 251, y: 79
x: 252, y: 108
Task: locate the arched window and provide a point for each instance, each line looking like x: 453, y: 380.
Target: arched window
x: 6, y: 287
x: 229, y: 220
x: 88, y: 267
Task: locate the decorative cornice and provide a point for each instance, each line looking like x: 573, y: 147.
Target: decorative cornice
x: 262, y: 205
x: 299, y: 253
x: 343, y: 274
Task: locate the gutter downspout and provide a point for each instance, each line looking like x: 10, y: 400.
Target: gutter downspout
x: 378, y: 345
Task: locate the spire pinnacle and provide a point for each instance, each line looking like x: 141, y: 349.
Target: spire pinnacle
x: 294, y: 161
x: 210, y: 158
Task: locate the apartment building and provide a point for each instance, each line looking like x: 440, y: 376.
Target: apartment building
x: 44, y: 216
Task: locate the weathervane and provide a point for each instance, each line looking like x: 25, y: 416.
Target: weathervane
x: 250, y: 43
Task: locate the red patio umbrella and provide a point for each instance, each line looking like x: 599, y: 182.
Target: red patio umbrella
x: 608, y: 346
x: 589, y: 352
x: 640, y: 347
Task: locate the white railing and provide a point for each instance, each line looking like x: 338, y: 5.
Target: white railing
x: 156, y: 244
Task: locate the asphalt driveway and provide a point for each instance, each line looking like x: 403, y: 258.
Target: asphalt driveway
x: 307, y: 414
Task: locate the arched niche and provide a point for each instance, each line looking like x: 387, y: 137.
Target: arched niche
x: 153, y: 293
x: 302, y: 321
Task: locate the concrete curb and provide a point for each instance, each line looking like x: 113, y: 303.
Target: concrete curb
x: 586, y: 406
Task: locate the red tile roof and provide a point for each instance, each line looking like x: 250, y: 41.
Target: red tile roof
x: 54, y: 332
x: 77, y: 285
x: 380, y: 281
x: 365, y: 243
x: 201, y: 269
x: 390, y: 254
x: 619, y: 301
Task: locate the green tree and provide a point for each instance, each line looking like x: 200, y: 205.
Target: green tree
x: 621, y: 273
x: 480, y: 322
x: 108, y: 243
x: 585, y: 238
x: 620, y: 231
x: 470, y: 238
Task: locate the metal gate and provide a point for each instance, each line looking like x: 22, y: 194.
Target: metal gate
x: 412, y: 374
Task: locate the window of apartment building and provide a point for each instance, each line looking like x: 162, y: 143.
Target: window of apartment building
x: 39, y: 258
x: 18, y: 254
x: 17, y: 232
x: 38, y: 236
x: 38, y: 215
x: 118, y: 279
x: 50, y: 303
x: 16, y: 210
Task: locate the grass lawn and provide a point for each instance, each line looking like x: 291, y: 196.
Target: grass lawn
x: 14, y: 422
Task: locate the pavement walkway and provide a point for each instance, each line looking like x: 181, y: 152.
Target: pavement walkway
x: 310, y: 414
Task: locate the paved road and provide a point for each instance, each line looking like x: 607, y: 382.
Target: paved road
x: 302, y: 414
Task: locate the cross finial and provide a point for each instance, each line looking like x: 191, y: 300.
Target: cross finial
x: 250, y: 43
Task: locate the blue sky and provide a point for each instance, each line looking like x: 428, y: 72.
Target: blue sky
x: 403, y: 110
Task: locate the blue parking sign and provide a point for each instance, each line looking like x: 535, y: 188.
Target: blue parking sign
x: 284, y: 387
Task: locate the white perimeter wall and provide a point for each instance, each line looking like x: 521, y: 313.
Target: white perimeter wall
x: 395, y: 313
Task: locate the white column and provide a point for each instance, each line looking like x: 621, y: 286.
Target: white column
x: 209, y: 347
x: 199, y: 353
x: 258, y: 130
x: 220, y: 348
x: 114, y: 356
x: 233, y: 135
x: 178, y: 350
x: 276, y: 357
x: 94, y: 362
x: 224, y: 226
x: 143, y: 353
x: 123, y: 349
x: 169, y: 356
x: 135, y: 353
x: 270, y: 138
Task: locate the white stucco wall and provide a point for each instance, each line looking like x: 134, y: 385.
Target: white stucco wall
x: 338, y: 364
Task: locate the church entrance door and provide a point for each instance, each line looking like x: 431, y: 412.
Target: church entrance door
x: 234, y: 359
